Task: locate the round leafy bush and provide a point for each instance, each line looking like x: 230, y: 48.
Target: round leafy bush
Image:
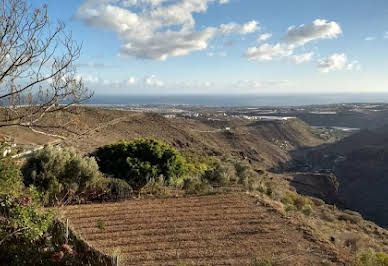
x: 140, y: 161
x: 61, y: 174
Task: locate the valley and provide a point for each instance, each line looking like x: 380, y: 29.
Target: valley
x: 342, y: 172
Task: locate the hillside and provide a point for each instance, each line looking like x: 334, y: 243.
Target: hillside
x: 265, y: 144
x: 359, y: 163
x: 227, y: 226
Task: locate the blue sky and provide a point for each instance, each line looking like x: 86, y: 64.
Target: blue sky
x: 212, y: 46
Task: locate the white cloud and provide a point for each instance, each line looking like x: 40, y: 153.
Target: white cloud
x: 87, y: 78
x: 152, y: 81
x: 354, y: 65
x: 192, y: 84
x: 294, y: 38
x: 267, y: 52
x: 246, y: 28
x: 156, y: 29
x: 250, y: 27
x: 319, y: 29
x: 369, y: 38
x: 95, y: 81
x: 92, y: 64
x: 300, y: 58
x: 262, y: 84
x: 224, y: 2
x: 131, y: 81
x: 221, y: 54
x: 162, y: 45
x: 264, y: 37
x: 337, y: 62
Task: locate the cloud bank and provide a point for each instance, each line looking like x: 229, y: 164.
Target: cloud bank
x: 157, y: 29
x: 337, y: 62
x: 294, y: 37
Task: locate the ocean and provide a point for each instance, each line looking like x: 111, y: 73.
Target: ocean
x: 236, y: 100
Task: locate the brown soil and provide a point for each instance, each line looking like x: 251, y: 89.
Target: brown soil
x: 227, y: 229
x: 24, y: 136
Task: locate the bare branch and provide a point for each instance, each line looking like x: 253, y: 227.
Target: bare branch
x: 37, y: 69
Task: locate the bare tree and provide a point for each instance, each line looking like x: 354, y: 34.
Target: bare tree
x: 37, y: 71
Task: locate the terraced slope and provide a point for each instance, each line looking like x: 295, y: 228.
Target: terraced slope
x: 228, y: 229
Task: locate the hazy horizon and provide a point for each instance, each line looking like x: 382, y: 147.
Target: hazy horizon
x: 236, y: 100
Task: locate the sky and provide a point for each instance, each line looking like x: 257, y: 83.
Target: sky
x: 228, y: 46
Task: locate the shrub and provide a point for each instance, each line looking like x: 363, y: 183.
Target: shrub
x: 61, y: 174
x: 350, y: 218
x: 156, y: 186
x: 307, y: 210
x: 265, y: 261
x: 371, y: 258
x: 139, y: 161
x: 220, y: 175
x: 23, y: 222
x: 317, y: 201
x: 242, y: 171
x: 117, y: 189
x: 11, y: 182
x: 245, y: 174
x: 196, y: 186
x: 198, y: 164
x: 328, y: 216
x: 295, y: 201
x: 101, y: 225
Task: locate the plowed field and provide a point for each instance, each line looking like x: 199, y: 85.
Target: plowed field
x: 228, y: 229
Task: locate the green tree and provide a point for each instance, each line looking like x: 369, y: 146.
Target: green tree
x: 139, y: 161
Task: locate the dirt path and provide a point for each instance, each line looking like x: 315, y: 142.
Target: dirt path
x: 228, y: 229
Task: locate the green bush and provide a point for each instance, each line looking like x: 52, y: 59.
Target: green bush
x: 193, y: 186
x: 117, y: 189
x: 139, y: 161
x: 155, y: 186
x: 221, y: 175
x: 198, y: 164
x: 245, y: 174
x: 371, y: 258
x: 295, y: 201
x: 61, y: 174
x: 11, y: 181
x: 23, y: 221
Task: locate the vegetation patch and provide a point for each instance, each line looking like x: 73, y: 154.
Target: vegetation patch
x: 62, y: 175
x: 371, y: 258
x: 140, y: 161
x: 293, y: 201
x: 350, y: 217
x: 23, y: 221
x: 262, y: 261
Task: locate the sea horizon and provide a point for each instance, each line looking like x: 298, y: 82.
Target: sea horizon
x: 236, y: 100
